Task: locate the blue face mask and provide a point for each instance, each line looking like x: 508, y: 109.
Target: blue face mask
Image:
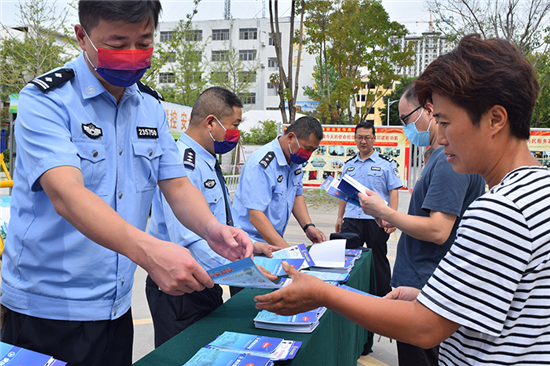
x: 231, y: 140
x: 415, y: 137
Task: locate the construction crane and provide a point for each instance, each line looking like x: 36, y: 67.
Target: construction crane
x: 430, y: 22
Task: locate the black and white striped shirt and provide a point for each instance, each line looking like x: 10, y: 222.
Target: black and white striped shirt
x: 495, y: 280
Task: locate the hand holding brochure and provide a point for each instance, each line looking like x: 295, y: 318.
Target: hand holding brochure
x: 275, y: 266
x: 242, y: 273
x: 330, y: 185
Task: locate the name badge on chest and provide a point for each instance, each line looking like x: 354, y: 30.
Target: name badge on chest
x: 147, y: 132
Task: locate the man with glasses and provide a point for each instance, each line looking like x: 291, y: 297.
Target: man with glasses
x: 378, y: 173
x: 270, y: 187
x: 438, y: 201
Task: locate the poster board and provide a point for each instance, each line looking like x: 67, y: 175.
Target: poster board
x: 177, y: 116
x: 539, y: 145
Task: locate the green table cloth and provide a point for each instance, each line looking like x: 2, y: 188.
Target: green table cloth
x: 336, y: 341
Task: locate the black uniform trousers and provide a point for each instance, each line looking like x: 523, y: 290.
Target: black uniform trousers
x: 172, y: 314
x: 376, y: 239
x: 79, y: 343
x: 410, y: 355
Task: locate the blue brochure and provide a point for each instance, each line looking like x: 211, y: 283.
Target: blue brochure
x: 242, y: 273
x: 216, y: 357
x: 247, y: 342
x: 12, y: 355
x: 299, y: 323
x: 297, y: 251
x: 332, y: 186
x: 354, y: 253
x: 275, y: 265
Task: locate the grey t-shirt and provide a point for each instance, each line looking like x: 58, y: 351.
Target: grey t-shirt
x: 439, y: 189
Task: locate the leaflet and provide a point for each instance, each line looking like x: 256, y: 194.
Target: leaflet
x: 12, y: 355
x: 275, y: 265
x: 216, y: 357
x: 299, y: 323
x: 242, y: 273
x: 297, y: 251
x: 328, y: 276
x: 329, y: 253
x: 330, y: 185
x: 277, y: 349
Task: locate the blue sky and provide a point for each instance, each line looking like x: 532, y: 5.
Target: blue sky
x: 402, y: 11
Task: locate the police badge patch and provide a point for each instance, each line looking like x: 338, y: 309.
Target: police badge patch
x: 280, y: 178
x: 396, y: 172
x: 92, y: 131
x: 210, y: 183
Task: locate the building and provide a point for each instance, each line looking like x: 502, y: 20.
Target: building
x: 362, y: 102
x: 252, y: 39
x: 427, y: 48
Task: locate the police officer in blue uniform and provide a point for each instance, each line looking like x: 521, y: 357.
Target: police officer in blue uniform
x: 378, y: 173
x: 92, y: 144
x: 270, y: 186
x: 213, y: 128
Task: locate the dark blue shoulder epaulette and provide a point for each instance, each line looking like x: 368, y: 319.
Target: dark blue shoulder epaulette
x: 189, y: 158
x: 148, y: 90
x: 386, y: 157
x: 267, y: 159
x: 350, y: 159
x: 53, y: 79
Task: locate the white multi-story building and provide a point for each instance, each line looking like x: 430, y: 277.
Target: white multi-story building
x: 427, y: 48
x: 252, y: 40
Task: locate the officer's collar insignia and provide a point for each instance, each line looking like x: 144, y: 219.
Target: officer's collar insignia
x: 90, y: 89
x: 210, y: 183
x: 351, y: 168
x: 377, y: 168
x: 92, y: 131
x: 267, y: 159
x: 298, y: 171
x: 280, y: 178
x: 52, y: 79
x: 189, y: 158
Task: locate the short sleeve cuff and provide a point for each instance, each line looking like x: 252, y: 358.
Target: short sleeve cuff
x: 51, y: 162
x: 170, y: 171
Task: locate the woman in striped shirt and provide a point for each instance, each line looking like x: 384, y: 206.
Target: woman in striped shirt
x: 487, y: 302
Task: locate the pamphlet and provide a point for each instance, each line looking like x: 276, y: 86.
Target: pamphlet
x: 275, y: 265
x: 277, y: 349
x: 215, y: 357
x: 329, y: 253
x: 354, y: 253
x: 297, y: 251
x: 330, y: 185
x: 299, y: 323
x: 12, y: 355
x: 242, y: 273
x: 328, y: 276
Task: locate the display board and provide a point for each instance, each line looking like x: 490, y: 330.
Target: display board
x: 178, y: 117
x: 539, y: 145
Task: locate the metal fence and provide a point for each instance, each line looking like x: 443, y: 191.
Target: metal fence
x: 232, y: 181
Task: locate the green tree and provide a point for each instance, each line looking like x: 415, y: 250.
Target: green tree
x: 234, y: 73
x: 37, y: 45
x: 396, y: 94
x: 357, y: 42
x: 541, y: 113
x: 261, y: 134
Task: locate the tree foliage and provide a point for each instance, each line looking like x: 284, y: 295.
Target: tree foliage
x: 37, y: 45
x: 233, y: 73
x: 261, y: 134
x: 395, y: 95
x: 353, y: 37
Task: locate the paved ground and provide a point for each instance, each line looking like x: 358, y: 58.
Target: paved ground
x: 324, y: 216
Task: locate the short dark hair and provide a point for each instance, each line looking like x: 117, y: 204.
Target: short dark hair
x: 215, y: 100
x: 479, y: 74
x: 410, y: 96
x: 303, y: 127
x: 90, y: 12
x: 367, y: 125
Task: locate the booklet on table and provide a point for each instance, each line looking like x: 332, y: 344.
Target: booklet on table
x: 12, y: 355
x: 297, y: 251
x: 299, y: 323
x: 216, y: 357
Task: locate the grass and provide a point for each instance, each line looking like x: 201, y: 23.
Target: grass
x: 319, y: 199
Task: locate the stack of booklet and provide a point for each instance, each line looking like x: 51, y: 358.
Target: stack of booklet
x: 298, y: 251
x: 232, y: 348
x: 299, y: 323
x: 346, y: 189
x: 12, y: 355
x: 354, y: 253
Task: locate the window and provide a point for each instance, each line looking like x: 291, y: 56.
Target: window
x: 361, y: 97
x: 270, y: 86
x: 248, y: 33
x: 272, y: 63
x: 166, y: 36
x: 247, y: 55
x: 272, y: 40
x: 166, y: 78
x: 171, y: 57
x: 220, y: 76
x: 220, y: 55
x: 194, y: 35
x: 248, y: 98
x: 220, y: 34
x: 247, y: 77
x: 371, y: 110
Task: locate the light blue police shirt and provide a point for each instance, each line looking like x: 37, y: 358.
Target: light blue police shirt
x: 268, y: 184
x: 200, y: 168
x: 377, y: 173
x: 50, y: 270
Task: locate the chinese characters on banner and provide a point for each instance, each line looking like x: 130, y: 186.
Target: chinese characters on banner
x: 539, y: 145
x: 177, y: 116
x: 338, y: 145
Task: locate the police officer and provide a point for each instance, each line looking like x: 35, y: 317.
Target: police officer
x: 270, y: 187
x: 213, y: 129
x: 92, y: 145
x: 379, y: 173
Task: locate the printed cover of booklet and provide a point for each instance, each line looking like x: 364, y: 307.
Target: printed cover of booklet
x: 297, y: 251
x: 275, y: 265
x: 216, y: 357
x: 242, y: 273
x: 12, y: 355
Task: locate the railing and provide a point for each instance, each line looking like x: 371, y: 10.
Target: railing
x: 9, y: 182
x: 232, y: 181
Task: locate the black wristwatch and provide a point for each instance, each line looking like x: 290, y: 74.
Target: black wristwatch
x: 308, y: 225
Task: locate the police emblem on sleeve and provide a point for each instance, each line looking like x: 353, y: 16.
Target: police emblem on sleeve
x: 396, y: 172
x: 280, y: 178
x: 92, y: 131
x: 210, y: 183
x: 267, y: 159
x: 189, y: 158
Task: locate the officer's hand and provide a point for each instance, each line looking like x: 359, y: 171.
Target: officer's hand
x: 315, y: 235
x: 338, y: 226
x: 301, y: 295
x: 265, y: 249
x: 403, y: 293
x: 372, y: 204
x: 174, y: 270
x: 228, y: 241
x: 268, y: 274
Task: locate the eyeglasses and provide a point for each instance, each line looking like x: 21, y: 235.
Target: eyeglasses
x: 404, y: 119
x: 366, y: 138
